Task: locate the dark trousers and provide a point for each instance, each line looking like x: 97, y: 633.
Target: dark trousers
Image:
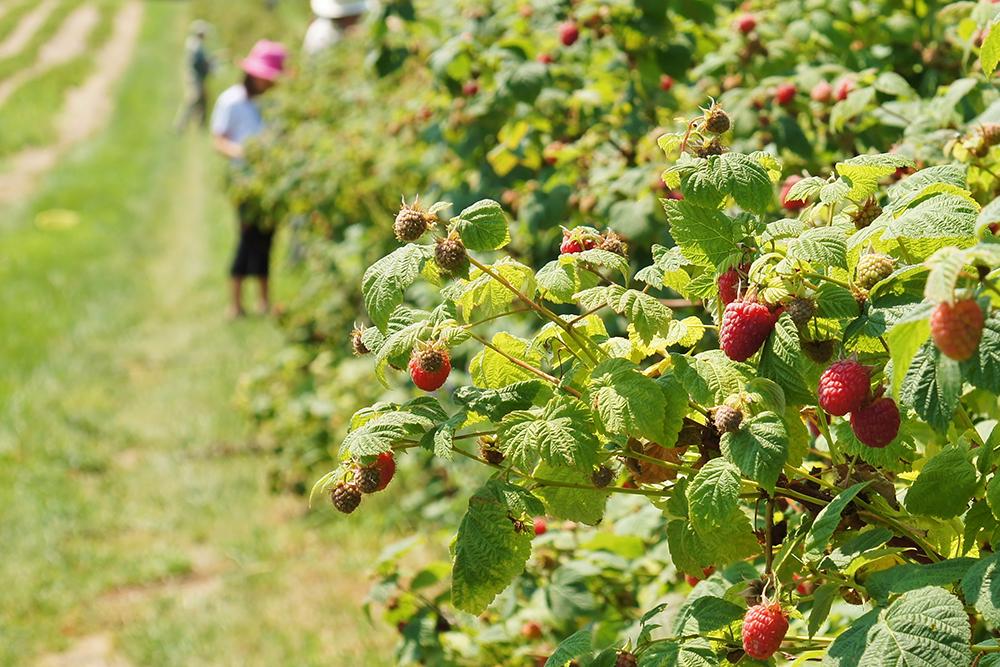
x: 253, y: 252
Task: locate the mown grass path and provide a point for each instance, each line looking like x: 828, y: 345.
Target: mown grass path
x: 135, y: 518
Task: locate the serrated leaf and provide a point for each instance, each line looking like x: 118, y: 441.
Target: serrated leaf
x: 911, y: 576
x: 865, y: 171
x: 489, y: 551
x: 931, y: 224
x: 804, y: 190
x: 491, y: 370
x: 706, y: 236
x: 781, y: 361
x: 710, y: 377
x: 822, y: 246
x: 583, y: 505
x: 627, y: 402
x: 381, y: 433
x: 649, y: 317
x: 561, y: 434
x: 905, y: 338
x: 822, y: 601
x: 605, y: 259
x: 483, y: 226
x: 696, y: 653
x: 989, y: 52
x: 707, y: 614
x: 483, y: 296
x: 926, y: 626
x: 826, y: 523
x: 932, y: 386
x: 759, y: 448
x: 577, y: 644
x: 713, y: 500
x: 981, y: 587
x: 558, y: 281
x: 983, y: 370
x: 945, y: 485
x: 385, y: 281
x: 945, y: 266
x: 495, y: 403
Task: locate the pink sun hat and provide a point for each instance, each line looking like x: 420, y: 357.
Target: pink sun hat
x: 266, y: 60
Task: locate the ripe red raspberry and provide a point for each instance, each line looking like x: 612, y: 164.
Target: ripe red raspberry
x: 842, y: 88
x: 746, y: 23
x: 791, y: 204
x: 764, y: 628
x: 540, y: 526
x: 705, y: 574
x: 429, y: 367
x: 531, y: 630
x: 545, y: 58
x: 745, y: 327
x: 957, y: 328
x: 732, y: 282
x: 570, y: 246
x: 470, y: 88
x: 569, y: 32
x: 666, y: 82
x: 386, y: 465
x: 821, y: 92
x: 784, y: 94
x: 876, y: 424
x: 843, y: 387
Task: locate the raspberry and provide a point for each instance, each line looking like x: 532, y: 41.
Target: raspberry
x: 346, y: 497
x: 545, y: 58
x: 569, y: 32
x: 785, y: 93
x: 791, y: 204
x: 821, y: 92
x: 626, y: 659
x: 602, y: 476
x: 727, y: 419
x: 867, y: 211
x: 386, y: 465
x: 876, y: 424
x: 531, y: 630
x: 666, y: 82
x: 873, y: 268
x: 489, y: 451
x: 843, y: 387
x: 711, y: 147
x: 745, y: 327
x: 716, y: 120
x: 429, y: 367
x: 801, y: 310
x: 368, y: 479
x: 412, y: 222
x: 820, y: 351
x: 450, y: 254
x: 540, y: 526
x: 764, y: 628
x: 730, y: 283
x: 842, y: 88
x: 614, y: 243
x: 358, y: 343
x: 990, y: 133
x: 746, y: 23
x: 470, y: 88
x: 957, y: 328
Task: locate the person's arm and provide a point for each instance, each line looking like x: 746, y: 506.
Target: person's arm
x: 228, y: 147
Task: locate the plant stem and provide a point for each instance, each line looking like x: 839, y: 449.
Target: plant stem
x: 495, y: 317
x: 526, y: 366
x: 820, y: 276
x: 768, y: 537
x: 824, y: 427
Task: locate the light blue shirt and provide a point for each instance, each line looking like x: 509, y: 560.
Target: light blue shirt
x: 236, y: 116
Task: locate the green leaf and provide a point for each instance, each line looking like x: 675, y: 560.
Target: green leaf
x: 696, y: 653
x: 583, y: 505
x: 911, y: 576
x: 649, y: 317
x: 824, y: 246
x: 989, y: 52
x: 945, y: 485
x: 381, y: 433
x: 932, y: 386
x: 577, y: 644
x: 675, y: 408
x: 983, y: 370
x: 385, y: 281
x: 706, y: 236
x: 981, y: 587
x: 707, y: 614
x: 781, y: 361
x: 558, y: 281
x: 605, y: 259
x: 826, y: 523
x: 495, y: 403
x: 945, y: 266
x: 483, y: 226
x: 483, y: 296
x: 759, y: 448
x: 993, y: 495
x: 842, y: 112
x: 822, y: 601
x: 627, y: 402
x: 927, y: 626
x: 713, y: 496
x: 711, y: 377
x: 489, y: 551
x: 491, y: 370
x: 935, y: 222
x: 905, y: 339
x: 562, y: 434
x: 865, y: 171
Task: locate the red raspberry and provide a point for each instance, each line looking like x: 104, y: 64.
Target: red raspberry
x: 470, y: 88
x: 570, y: 246
x: 540, y: 526
x: 544, y: 58
x: 705, y: 574
x: 843, y: 387
x: 745, y: 327
x: 764, y: 628
x: 746, y: 23
x: 821, y: 92
x: 531, y: 630
x: 666, y: 82
x: 729, y: 283
x: 957, y: 328
x: 386, y: 465
x: 430, y: 367
x: 842, y: 88
x: 785, y: 93
x: 569, y: 32
x: 791, y: 204
x: 876, y: 424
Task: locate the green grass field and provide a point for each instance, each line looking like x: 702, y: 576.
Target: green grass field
x: 134, y: 510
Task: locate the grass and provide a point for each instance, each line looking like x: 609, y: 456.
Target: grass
x: 29, y: 53
x: 13, y: 16
x: 29, y: 114
x: 131, y: 506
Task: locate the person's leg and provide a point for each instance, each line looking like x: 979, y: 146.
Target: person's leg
x: 236, y: 293
x: 265, y: 297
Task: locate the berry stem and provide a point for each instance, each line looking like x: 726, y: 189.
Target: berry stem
x: 824, y: 427
x: 768, y: 538
x: 537, y: 307
x: 526, y: 366
x: 820, y: 276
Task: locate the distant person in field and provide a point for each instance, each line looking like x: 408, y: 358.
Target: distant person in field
x: 199, y: 67
x: 235, y: 119
x: 333, y: 19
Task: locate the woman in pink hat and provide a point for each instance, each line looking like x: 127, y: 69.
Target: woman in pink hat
x: 235, y: 119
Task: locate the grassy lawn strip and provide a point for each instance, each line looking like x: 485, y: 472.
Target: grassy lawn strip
x: 29, y: 53
x: 13, y: 16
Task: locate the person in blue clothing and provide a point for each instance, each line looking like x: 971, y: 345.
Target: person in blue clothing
x: 199, y: 67
x: 235, y: 119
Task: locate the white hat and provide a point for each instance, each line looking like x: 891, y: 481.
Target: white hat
x: 338, y: 9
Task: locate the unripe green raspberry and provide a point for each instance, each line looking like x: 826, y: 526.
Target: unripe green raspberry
x: 873, y: 268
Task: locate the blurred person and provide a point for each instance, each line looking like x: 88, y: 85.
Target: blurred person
x: 333, y: 19
x: 235, y: 119
x: 199, y: 67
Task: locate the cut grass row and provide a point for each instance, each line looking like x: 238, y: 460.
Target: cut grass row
x: 29, y: 54
x: 10, y: 20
